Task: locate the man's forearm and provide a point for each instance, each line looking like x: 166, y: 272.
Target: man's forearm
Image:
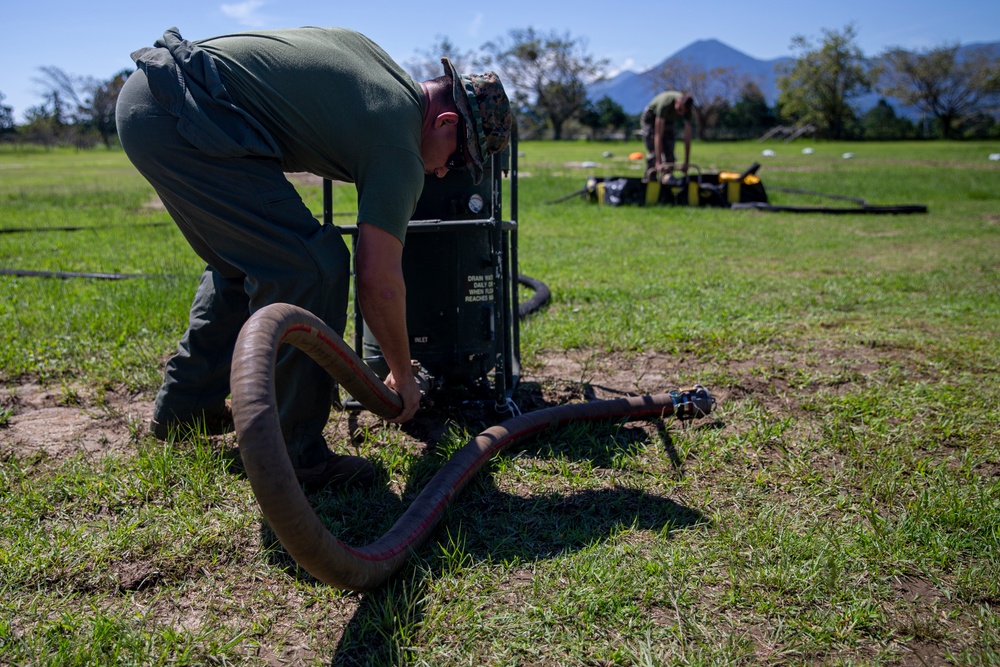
x: 382, y: 299
x: 658, y: 143
x: 382, y: 294
x: 687, y: 143
x: 383, y: 306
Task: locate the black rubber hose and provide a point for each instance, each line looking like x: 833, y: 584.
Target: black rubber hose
x: 80, y: 228
x: 28, y: 273
x: 278, y: 492
x: 869, y: 209
x: 537, y: 300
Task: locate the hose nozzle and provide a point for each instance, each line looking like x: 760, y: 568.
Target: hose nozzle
x: 692, y: 402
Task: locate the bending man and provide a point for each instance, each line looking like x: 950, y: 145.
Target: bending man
x: 213, y: 125
x: 658, y: 120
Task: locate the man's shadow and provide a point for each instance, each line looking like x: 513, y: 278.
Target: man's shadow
x: 489, y: 523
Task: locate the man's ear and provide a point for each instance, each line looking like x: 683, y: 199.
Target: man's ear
x: 446, y: 118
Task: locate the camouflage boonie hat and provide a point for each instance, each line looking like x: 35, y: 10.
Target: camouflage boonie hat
x: 485, y: 110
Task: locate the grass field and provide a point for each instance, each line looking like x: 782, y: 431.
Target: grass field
x: 841, y: 507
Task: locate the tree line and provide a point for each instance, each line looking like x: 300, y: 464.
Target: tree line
x: 959, y: 91
x: 956, y: 91
x: 78, y: 110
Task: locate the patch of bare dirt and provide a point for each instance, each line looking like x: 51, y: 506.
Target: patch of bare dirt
x: 61, y: 423
x: 791, y: 169
x: 154, y: 204
x: 920, y: 613
x: 304, y: 178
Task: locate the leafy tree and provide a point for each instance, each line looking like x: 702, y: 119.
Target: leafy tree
x: 76, y: 108
x: 548, y: 71
x: 881, y: 122
x: 532, y: 123
x: 604, y: 114
x: 750, y: 115
x: 6, y: 117
x: 613, y: 115
x: 42, y: 125
x: 819, y: 86
x: 943, y: 84
x: 590, y: 117
x: 978, y: 126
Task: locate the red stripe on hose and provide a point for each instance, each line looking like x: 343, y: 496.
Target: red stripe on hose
x: 378, y: 390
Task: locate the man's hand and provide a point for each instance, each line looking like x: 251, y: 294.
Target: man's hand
x: 408, y: 390
x: 665, y: 172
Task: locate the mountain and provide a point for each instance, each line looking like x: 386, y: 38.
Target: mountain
x: 632, y: 90
x: 711, y: 54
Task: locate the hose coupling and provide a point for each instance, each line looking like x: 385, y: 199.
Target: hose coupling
x: 692, y: 402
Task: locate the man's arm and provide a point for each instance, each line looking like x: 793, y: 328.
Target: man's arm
x: 382, y: 297
x: 687, y: 144
x: 658, y: 144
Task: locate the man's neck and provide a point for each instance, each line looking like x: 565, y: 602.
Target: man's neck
x: 427, y: 117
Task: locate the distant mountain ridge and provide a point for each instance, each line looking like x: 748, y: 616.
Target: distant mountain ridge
x: 633, y: 90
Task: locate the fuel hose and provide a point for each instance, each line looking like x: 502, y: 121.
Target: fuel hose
x: 284, y: 503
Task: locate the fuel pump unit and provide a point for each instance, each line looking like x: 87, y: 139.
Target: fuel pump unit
x: 460, y: 267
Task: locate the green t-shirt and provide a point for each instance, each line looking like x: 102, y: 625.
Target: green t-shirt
x: 663, y: 106
x: 337, y: 106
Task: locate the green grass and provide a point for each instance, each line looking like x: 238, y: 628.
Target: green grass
x: 842, y: 508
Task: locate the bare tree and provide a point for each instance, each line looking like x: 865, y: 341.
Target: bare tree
x: 712, y: 89
x: 943, y: 83
x: 549, y: 71
x: 62, y: 92
x: 78, y: 106
x: 426, y: 64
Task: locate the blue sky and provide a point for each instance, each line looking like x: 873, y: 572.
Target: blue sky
x: 94, y: 39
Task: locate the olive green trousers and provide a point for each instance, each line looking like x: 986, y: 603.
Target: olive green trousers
x: 261, y: 245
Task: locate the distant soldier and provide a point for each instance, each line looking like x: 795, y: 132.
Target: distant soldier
x: 658, y: 121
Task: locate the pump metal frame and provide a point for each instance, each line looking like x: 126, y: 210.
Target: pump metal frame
x: 504, y: 263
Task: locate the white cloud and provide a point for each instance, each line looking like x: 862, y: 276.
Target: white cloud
x: 246, y: 13
x: 476, y: 25
x: 615, y: 70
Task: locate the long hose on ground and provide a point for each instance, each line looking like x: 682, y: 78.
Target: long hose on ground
x: 538, y: 299
x: 281, y: 498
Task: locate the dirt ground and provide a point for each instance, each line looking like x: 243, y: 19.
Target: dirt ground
x: 60, y: 421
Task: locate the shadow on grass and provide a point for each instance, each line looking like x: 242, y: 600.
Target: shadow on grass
x: 500, y: 527
x: 495, y: 526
